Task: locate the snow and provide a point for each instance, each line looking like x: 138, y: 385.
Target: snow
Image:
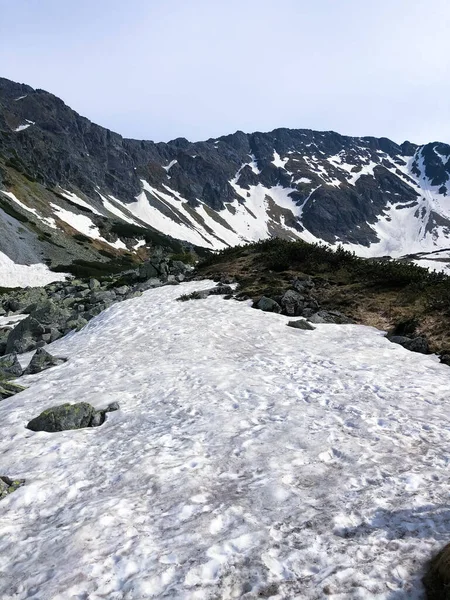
x: 24, y: 125
x: 20, y: 98
x: 152, y: 216
x: 81, y: 223
x: 115, y: 210
x: 77, y: 200
x: 139, y: 244
x: 16, y: 275
x: 47, y: 220
x: 170, y: 165
x: 84, y: 225
x: 278, y: 161
x: 433, y: 265
x: 253, y: 164
x: 247, y: 456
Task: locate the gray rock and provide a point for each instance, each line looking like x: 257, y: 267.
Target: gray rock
x: 292, y: 303
x: 301, y: 325
x: 102, y: 296
x: 42, y: 360
x: 63, y: 417
x: 70, y: 416
x: 25, y: 336
x: 267, y: 305
x: 151, y: 283
x: 331, y: 317
x: 122, y: 290
x: 10, y: 366
x: 417, y: 344
x: 178, y: 267
x: 148, y: 271
x: 94, y: 284
x: 8, y: 486
x: 49, y: 313
x: 219, y: 289
x: 303, y: 285
x: 8, y: 389
x: 79, y: 322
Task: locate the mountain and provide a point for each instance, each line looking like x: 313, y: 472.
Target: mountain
x: 71, y: 190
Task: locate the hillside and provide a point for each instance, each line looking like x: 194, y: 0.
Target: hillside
x: 73, y: 190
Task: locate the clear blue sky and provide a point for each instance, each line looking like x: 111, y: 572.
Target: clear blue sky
x: 202, y: 68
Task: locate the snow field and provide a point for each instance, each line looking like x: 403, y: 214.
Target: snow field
x: 248, y: 460
x: 16, y: 275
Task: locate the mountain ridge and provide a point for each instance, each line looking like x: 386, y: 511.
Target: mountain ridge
x: 372, y: 195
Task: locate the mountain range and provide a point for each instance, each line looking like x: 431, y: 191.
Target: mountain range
x: 71, y: 190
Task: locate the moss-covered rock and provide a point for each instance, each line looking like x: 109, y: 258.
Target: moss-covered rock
x: 70, y: 416
x: 7, y: 485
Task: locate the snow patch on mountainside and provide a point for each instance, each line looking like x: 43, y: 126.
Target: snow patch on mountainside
x: 47, y: 220
x: 77, y: 200
x: 84, y: 225
x: 15, y: 275
x: 257, y: 459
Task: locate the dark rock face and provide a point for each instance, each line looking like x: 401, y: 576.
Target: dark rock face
x: 326, y: 173
x: 69, y: 416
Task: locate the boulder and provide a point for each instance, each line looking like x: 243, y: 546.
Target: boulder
x: 8, y: 389
x: 300, y: 324
x: 177, y: 267
x: 331, y: 317
x: 7, y: 485
x: 70, y: 416
x: 42, y: 360
x: 219, y: 289
x: 417, y: 344
x: 267, y: 305
x: 292, y: 303
x: 303, y: 285
x: 10, y: 366
x: 94, y: 284
x: 25, y: 336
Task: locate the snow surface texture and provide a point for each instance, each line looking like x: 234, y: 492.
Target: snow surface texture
x: 248, y: 460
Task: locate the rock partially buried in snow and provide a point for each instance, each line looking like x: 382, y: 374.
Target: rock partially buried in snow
x: 331, y: 317
x: 417, y: 344
x: 70, y: 416
x: 8, y: 389
x: 43, y: 360
x: 7, y: 485
x: 267, y: 305
x: 300, y: 324
x: 10, y: 366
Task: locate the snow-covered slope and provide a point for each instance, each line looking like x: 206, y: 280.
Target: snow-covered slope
x: 248, y: 460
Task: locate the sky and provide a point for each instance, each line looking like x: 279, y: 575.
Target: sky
x: 157, y: 70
